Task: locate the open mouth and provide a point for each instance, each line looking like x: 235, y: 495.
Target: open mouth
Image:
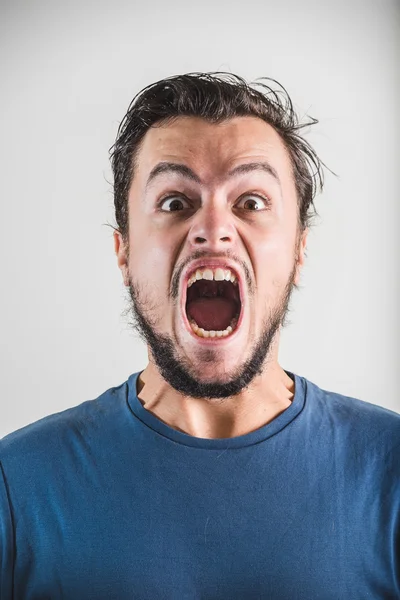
x: 213, y: 304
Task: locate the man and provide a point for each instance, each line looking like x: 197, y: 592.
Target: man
x: 214, y: 473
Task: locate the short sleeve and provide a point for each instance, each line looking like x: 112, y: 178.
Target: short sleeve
x: 6, y: 541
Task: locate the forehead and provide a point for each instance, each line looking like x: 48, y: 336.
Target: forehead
x: 210, y: 148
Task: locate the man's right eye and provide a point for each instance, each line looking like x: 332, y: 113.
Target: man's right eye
x: 175, y: 202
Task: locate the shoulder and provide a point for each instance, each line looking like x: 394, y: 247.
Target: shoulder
x: 355, y: 420
x: 51, y: 432
x: 348, y: 405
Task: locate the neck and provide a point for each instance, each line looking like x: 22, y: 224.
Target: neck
x: 267, y: 397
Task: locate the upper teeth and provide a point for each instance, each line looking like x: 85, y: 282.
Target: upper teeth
x: 210, y: 274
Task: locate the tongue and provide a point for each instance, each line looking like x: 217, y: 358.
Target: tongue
x: 212, y: 313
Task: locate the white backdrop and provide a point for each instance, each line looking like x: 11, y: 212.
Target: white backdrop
x: 68, y: 73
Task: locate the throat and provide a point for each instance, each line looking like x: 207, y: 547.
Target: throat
x: 212, y: 313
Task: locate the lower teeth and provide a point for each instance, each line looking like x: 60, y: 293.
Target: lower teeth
x: 205, y: 333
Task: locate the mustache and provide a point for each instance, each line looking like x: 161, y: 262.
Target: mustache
x: 174, y: 288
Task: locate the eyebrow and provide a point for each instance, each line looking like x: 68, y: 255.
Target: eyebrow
x: 187, y: 173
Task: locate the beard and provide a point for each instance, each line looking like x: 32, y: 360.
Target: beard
x: 177, y: 370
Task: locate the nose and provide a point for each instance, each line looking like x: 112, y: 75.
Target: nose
x: 212, y: 228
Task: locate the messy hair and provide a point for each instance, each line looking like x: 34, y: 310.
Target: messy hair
x: 215, y: 97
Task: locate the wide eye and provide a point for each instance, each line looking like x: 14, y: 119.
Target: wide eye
x: 254, y: 203
x: 175, y: 203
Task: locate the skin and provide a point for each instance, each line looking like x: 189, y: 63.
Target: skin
x: 219, y: 217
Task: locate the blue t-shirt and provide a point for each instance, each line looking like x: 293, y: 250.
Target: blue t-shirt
x: 105, y: 501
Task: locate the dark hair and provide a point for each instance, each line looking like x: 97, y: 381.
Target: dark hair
x: 215, y: 97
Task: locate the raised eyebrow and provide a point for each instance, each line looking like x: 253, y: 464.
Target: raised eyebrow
x: 187, y: 173
x: 170, y: 167
x: 264, y: 166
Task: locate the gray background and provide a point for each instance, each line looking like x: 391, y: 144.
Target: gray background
x: 68, y: 73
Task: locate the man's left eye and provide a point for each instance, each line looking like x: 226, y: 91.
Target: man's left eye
x: 262, y: 203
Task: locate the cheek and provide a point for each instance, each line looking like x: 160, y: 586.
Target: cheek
x: 274, y: 259
x: 153, y: 250
x: 151, y: 243
x: 150, y: 263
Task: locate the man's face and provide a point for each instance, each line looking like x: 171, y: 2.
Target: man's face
x: 199, y: 217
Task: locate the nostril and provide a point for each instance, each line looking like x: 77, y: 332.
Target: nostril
x: 200, y: 240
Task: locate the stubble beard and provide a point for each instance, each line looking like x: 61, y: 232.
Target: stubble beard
x: 177, y: 370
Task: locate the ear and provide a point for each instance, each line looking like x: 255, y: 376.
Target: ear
x: 122, y: 256
x: 301, y: 255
